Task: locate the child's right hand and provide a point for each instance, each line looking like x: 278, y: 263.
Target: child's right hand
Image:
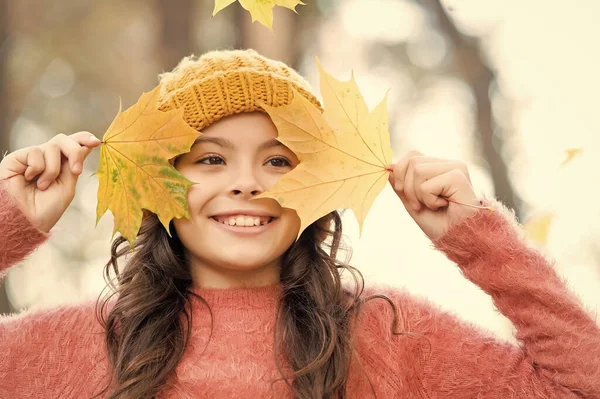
x: 42, y: 178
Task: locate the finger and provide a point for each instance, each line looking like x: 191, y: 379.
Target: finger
x: 34, y: 161
x: 72, y: 150
x: 66, y: 175
x: 437, y: 190
x: 85, y: 138
x: 428, y: 188
x: 88, y: 142
x: 53, y: 161
x: 28, y: 162
x: 399, y: 169
x: 409, y: 182
x: 428, y: 170
x: 407, y: 204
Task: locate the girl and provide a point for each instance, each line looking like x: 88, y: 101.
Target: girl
x: 232, y: 306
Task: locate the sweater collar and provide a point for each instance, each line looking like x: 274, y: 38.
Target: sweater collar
x: 252, y: 297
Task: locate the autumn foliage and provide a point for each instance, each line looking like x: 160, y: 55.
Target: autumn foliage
x: 134, y: 171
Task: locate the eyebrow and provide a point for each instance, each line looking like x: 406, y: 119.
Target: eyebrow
x: 270, y: 144
x: 215, y: 140
x: 222, y: 142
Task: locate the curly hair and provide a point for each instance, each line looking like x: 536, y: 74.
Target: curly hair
x: 148, y: 325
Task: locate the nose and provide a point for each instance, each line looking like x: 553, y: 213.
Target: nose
x: 246, y: 184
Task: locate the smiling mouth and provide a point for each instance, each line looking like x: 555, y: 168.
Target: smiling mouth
x: 243, y: 221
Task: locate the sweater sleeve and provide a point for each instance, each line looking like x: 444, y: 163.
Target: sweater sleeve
x: 558, y: 351
x: 18, y: 236
x: 53, y: 353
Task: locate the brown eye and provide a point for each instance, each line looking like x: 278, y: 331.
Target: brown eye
x: 279, y: 162
x: 212, y: 160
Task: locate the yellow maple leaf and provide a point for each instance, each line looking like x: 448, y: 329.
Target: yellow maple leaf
x: 343, y: 152
x: 134, y: 171
x: 571, y: 153
x: 537, y: 228
x: 260, y: 10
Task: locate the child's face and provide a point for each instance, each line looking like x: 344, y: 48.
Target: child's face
x: 234, y: 160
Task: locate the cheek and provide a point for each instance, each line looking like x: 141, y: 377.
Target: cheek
x: 292, y: 224
x: 197, y: 196
x: 202, y: 191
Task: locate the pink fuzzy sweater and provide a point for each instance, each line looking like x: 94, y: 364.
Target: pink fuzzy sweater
x: 60, y: 353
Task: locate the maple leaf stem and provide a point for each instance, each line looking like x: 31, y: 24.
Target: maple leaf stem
x: 471, y: 206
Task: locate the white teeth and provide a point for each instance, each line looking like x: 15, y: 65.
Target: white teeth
x: 246, y: 221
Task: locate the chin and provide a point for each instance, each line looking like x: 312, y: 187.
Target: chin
x: 242, y: 263
x: 243, y: 257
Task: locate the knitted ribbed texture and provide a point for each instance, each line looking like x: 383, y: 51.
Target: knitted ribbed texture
x: 223, y: 83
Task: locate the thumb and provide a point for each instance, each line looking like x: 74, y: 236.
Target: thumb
x: 406, y: 203
x: 67, y: 173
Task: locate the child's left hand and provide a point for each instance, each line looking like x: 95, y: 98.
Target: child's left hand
x: 424, y: 184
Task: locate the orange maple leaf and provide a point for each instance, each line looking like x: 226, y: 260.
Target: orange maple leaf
x: 134, y: 171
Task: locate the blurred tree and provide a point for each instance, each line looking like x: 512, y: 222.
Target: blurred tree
x: 4, y: 128
x: 176, y: 28
x: 4, y: 48
x: 478, y: 75
x: 280, y: 45
x: 291, y: 36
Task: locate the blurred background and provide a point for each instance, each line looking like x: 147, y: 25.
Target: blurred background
x: 507, y: 86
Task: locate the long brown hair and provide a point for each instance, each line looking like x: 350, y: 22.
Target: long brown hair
x: 148, y: 326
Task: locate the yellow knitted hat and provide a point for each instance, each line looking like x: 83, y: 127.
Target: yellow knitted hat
x: 223, y: 83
